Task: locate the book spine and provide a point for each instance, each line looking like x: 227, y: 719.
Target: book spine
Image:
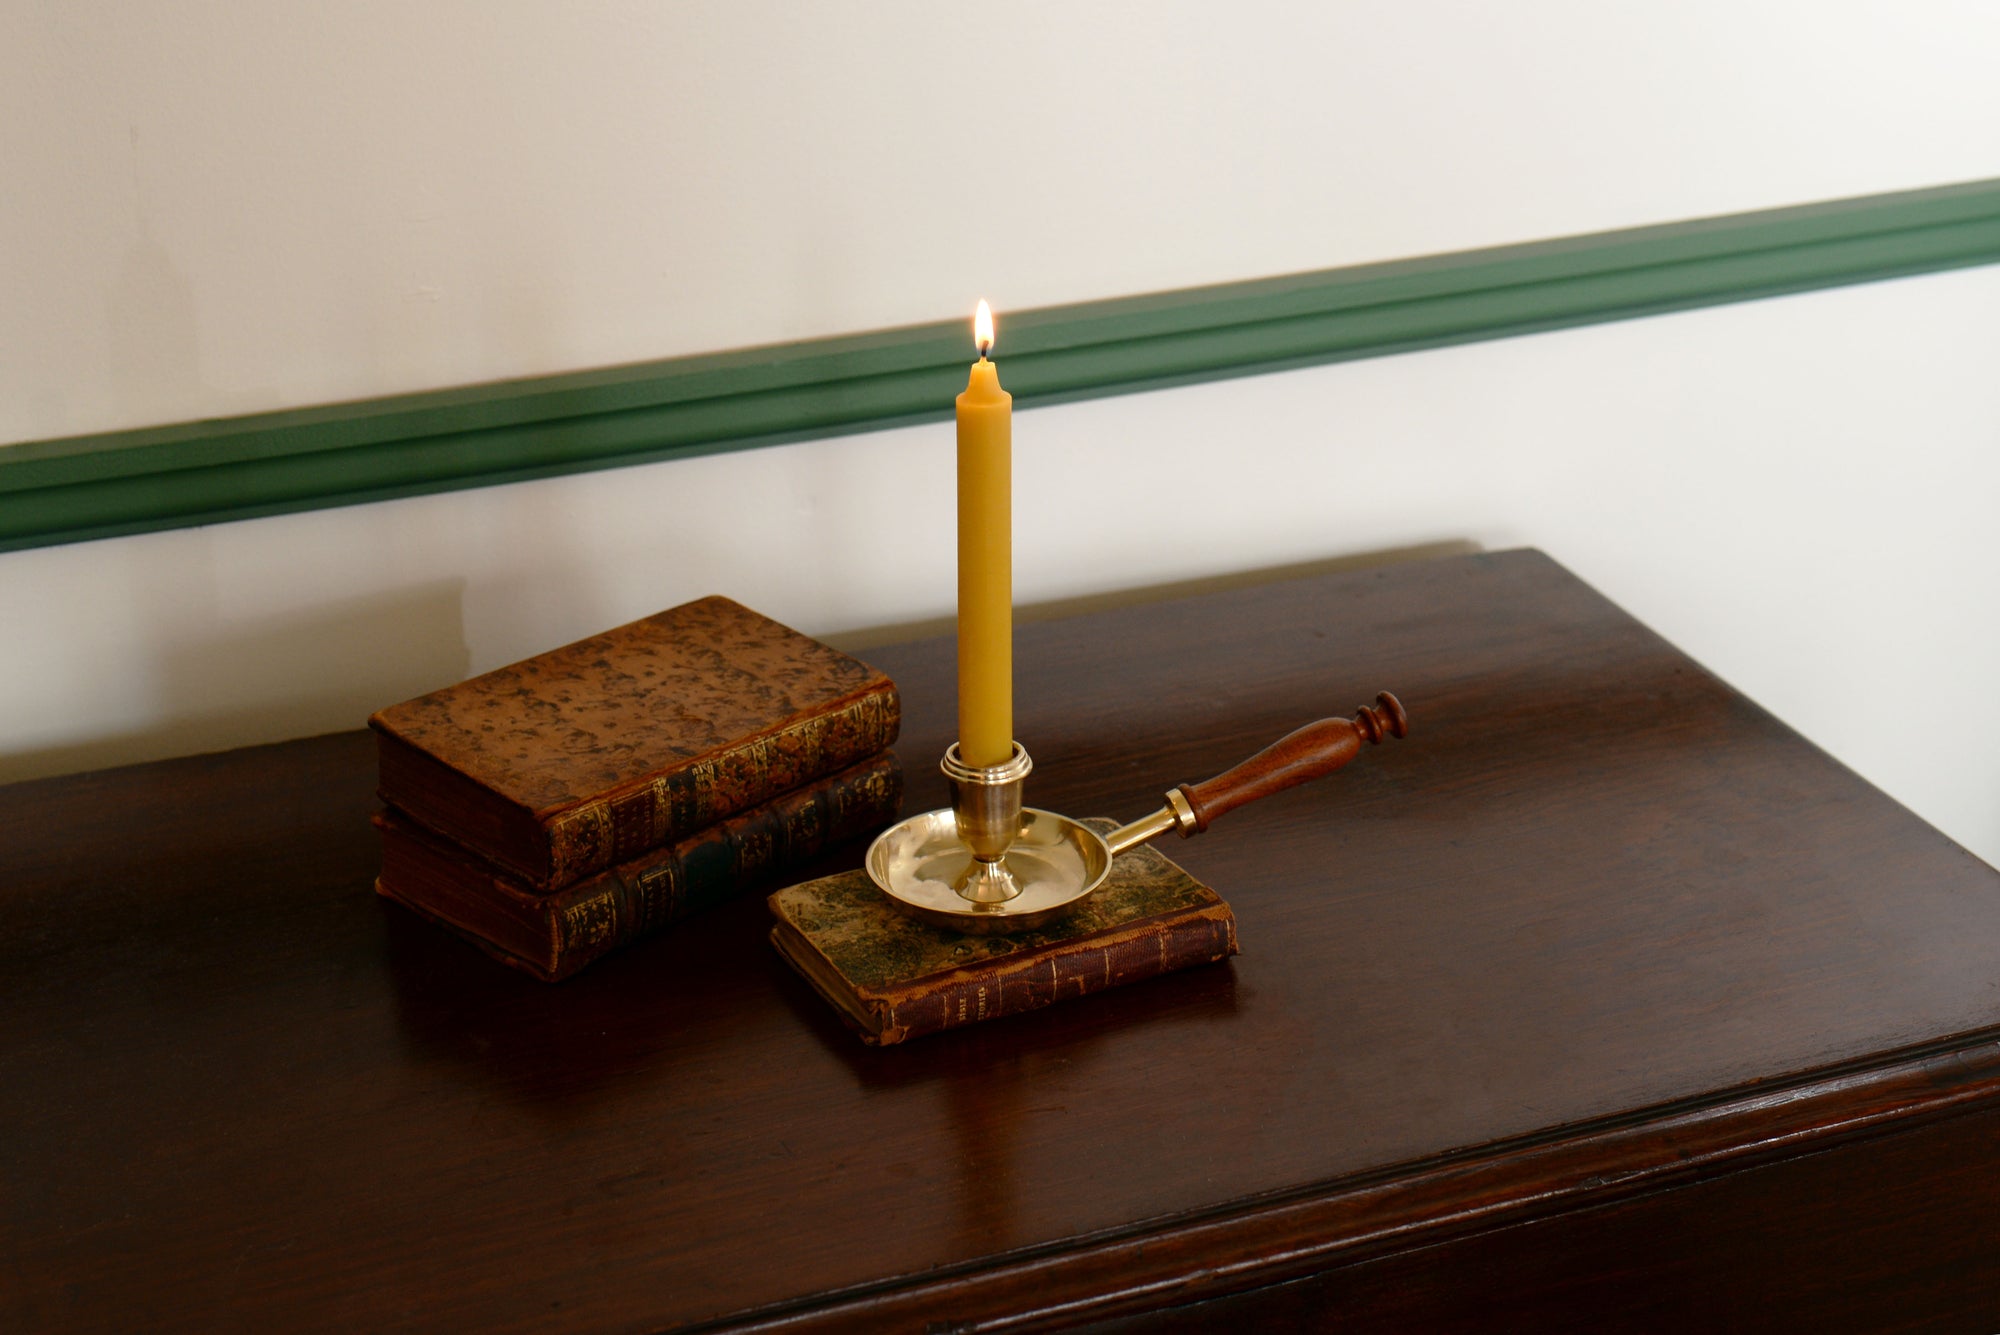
x: 1090, y: 965
x: 611, y: 829
x: 627, y: 903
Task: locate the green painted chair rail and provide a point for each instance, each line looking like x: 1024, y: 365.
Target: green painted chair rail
x: 201, y: 472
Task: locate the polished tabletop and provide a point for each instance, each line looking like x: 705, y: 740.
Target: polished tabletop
x: 1597, y: 917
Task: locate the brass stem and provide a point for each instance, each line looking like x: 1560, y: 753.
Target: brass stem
x: 1175, y: 815
x: 986, y: 809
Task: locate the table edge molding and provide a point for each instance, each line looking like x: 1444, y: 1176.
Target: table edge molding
x: 1255, y: 1243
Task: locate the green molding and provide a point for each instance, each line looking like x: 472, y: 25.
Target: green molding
x: 83, y: 487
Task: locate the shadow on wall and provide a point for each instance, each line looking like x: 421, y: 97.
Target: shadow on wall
x: 300, y: 674
x: 860, y: 641
x: 281, y: 677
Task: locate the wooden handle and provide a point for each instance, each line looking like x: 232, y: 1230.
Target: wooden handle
x: 1313, y: 751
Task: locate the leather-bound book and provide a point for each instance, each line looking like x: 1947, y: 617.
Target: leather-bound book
x: 572, y: 761
x: 892, y: 978
x: 552, y: 934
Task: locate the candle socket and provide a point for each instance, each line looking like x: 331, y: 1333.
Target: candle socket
x: 986, y: 806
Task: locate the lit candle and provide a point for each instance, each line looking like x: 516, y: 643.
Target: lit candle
x: 985, y: 560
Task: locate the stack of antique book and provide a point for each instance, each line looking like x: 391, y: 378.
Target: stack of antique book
x: 559, y: 808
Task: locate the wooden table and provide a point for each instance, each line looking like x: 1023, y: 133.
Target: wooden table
x: 1603, y: 994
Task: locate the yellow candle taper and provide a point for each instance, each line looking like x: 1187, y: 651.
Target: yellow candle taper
x: 985, y: 560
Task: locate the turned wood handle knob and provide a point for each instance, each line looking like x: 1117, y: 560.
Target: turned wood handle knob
x: 1313, y: 751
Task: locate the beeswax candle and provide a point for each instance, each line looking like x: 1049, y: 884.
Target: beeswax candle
x: 985, y: 560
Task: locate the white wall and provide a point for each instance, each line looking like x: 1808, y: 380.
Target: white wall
x: 247, y: 208
x: 233, y: 206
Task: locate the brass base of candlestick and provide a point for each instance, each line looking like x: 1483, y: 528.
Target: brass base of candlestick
x: 991, y: 864
x: 922, y: 865
x: 988, y: 864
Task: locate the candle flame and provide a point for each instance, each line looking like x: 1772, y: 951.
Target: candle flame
x: 982, y: 327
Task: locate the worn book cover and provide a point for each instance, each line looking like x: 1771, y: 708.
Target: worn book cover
x: 569, y: 762
x: 892, y: 978
x: 552, y: 934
